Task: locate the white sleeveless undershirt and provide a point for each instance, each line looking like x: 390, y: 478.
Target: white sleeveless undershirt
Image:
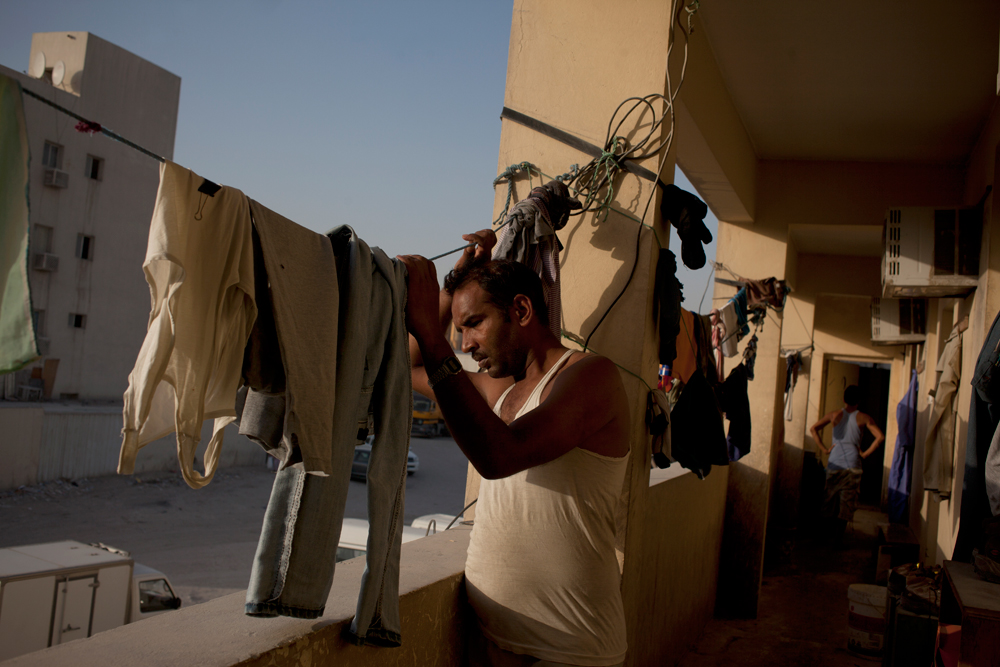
x: 541, y: 571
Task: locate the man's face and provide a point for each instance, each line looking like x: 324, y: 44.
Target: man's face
x: 488, y: 333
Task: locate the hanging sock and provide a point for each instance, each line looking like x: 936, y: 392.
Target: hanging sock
x: 686, y: 213
x: 528, y: 236
x: 718, y: 336
x: 667, y: 299
x: 750, y: 356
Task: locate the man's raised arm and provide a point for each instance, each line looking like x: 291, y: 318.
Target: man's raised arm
x: 485, y: 240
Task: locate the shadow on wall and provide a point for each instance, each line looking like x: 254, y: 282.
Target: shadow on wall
x: 742, y: 542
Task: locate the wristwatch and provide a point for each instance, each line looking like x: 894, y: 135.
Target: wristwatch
x: 450, y: 366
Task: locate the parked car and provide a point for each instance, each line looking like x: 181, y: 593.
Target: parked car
x: 354, y: 538
x: 362, y: 453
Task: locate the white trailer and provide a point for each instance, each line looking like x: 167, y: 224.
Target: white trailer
x: 60, y: 591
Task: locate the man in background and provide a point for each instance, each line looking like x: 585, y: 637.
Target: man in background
x: 843, y: 469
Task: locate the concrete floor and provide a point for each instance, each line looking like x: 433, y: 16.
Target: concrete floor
x: 802, y: 616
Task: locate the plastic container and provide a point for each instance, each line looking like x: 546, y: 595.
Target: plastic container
x: 866, y: 619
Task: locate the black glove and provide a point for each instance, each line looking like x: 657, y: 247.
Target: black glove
x: 686, y: 213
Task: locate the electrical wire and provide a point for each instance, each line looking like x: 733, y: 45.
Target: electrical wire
x: 664, y: 145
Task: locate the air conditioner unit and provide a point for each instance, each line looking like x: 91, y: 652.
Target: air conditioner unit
x: 46, y: 261
x: 56, y: 178
x: 931, y: 252
x: 899, y: 321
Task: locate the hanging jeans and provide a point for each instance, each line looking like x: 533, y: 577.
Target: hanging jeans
x: 294, y: 565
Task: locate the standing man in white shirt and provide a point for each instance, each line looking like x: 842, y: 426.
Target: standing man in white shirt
x: 548, y: 430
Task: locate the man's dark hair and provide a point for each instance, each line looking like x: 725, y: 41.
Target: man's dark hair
x: 502, y: 280
x: 852, y: 395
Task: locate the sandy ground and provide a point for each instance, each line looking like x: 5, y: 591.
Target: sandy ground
x: 203, y: 540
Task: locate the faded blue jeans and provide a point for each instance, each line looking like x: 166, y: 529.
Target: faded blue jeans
x: 294, y: 565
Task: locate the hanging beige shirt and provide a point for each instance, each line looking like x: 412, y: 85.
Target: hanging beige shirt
x: 199, y: 266
x: 541, y: 571
x: 939, y: 448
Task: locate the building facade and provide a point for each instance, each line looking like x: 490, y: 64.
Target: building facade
x: 91, y: 200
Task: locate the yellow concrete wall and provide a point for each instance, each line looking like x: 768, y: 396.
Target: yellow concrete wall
x: 755, y: 252
x: 673, y: 568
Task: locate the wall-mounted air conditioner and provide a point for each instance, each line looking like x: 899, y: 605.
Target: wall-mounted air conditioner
x: 931, y: 252
x: 899, y: 321
x: 46, y: 261
x: 56, y: 178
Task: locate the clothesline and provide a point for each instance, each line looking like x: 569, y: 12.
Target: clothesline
x: 86, y: 125
x: 89, y: 126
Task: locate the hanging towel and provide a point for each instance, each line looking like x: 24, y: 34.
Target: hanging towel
x: 199, y: 266
x: 529, y: 237
x: 939, y: 447
x: 902, y: 458
x: 18, y: 346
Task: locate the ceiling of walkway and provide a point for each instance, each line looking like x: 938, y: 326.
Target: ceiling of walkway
x: 888, y: 81
x: 857, y: 240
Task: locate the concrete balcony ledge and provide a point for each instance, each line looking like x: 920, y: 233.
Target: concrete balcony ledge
x: 433, y: 609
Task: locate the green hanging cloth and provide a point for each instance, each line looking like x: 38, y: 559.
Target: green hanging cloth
x: 18, y: 346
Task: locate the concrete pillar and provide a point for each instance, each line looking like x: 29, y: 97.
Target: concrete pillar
x: 556, y: 75
x: 796, y: 333
x: 752, y: 251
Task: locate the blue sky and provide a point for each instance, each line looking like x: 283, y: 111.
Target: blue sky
x: 381, y: 115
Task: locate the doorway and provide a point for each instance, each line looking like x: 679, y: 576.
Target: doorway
x: 873, y: 381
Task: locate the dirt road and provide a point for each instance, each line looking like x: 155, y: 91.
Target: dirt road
x: 203, y: 540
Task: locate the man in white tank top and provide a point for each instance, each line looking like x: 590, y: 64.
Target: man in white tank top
x: 548, y: 430
x: 843, y: 468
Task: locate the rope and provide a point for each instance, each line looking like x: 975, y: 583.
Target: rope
x: 90, y: 126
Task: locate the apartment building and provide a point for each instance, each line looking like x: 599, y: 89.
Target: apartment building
x: 91, y: 199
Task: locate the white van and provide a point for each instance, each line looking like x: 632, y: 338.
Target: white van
x: 354, y: 538
x: 60, y: 591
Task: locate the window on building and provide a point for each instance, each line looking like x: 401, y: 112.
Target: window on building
x: 38, y: 319
x: 84, y: 246
x: 52, y: 156
x: 95, y: 168
x: 42, y: 241
x: 77, y: 321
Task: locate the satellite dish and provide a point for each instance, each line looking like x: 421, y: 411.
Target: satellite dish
x: 37, y: 68
x: 58, y: 73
